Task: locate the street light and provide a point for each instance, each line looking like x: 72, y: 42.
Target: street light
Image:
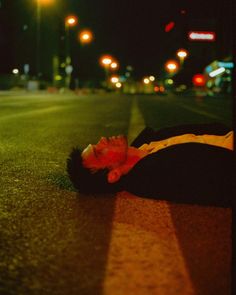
x: 114, y: 65
x: 171, y: 66
x: 152, y: 78
x: 106, y: 60
x: 70, y: 21
x: 114, y: 79
x: 182, y: 54
x: 146, y: 80
x: 39, y: 3
x: 85, y: 36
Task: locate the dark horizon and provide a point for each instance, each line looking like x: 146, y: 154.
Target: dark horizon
x: 133, y: 33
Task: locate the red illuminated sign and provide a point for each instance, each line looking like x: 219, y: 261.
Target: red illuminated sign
x: 169, y: 26
x: 199, y: 80
x: 202, y: 36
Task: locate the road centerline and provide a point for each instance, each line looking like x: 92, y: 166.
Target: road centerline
x: 136, y: 251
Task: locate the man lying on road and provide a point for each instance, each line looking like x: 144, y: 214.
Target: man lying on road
x: 187, y: 164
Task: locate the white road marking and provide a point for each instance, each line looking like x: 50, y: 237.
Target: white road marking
x: 144, y: 253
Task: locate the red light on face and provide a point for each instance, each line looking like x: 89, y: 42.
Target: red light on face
x: 169, y: 26
x: 202, y: 36
x: 199, y: 80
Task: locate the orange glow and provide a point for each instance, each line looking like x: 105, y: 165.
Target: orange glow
x: 182, y: 53
x: 156, y: 88
x: 162, y: 89
x: 106, y: 60
x: 45, y: 2
x: 114, y: 79
x: 171, y: 66
x: 71, y: 20
x: 86, y: 36
x: 114, y: 65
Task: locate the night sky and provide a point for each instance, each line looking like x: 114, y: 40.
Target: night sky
x: 132, y: 31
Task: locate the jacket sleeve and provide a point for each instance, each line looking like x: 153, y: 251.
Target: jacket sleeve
x: 192, y: 173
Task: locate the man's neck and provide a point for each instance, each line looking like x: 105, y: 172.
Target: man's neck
x: 133, y: 156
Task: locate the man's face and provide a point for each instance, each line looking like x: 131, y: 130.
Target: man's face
x: 107, y: 153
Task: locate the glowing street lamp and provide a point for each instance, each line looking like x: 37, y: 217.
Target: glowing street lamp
x: 118, y: 85
x: 106, y: 60
x: 85, y: 36
x: 171, y: 66
x: 146, y: 81
x: 152, y: 78
x: 39, y: 4
x: 71, y: 21
x: 182, y: 54
x: 114, y: 65
x: 114, y: 79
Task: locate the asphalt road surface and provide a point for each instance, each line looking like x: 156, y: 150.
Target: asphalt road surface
x: 55, y: 241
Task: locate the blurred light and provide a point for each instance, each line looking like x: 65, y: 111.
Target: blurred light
x: 106, y: 60
x: 217, y: 72
x: 58, y: 77
x: 152, y: 78
x: 127, y: 74
x: 146, y: 81
x: 63, y: 65
x: 201, y: 36
x: 86, y: 36
x: 183, y: 11
x: 170, y: 81
x: 171, y: 66
x: 208, y: 69
x: 71, y: 20
x: 199, y: 80
x: 46, y: 2
x: 122, y: 78
x: 169, y: 26
x: 156, y: 88
x: 114, y: 79
x: 15, y: 71
x: 226, y: 65
x: 118, y: 85
x: 129, y: 68
x: 114, y: 65
x: 182, y: 53
x: 162, y: 89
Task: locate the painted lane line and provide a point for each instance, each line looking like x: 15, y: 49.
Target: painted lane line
x: 144, y: 250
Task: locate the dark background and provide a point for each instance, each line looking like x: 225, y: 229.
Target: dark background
x: 132, y: 31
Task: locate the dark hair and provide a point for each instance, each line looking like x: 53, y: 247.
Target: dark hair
x: 83, y: 179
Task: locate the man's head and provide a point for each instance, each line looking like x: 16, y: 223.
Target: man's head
x: 108, y: 153
x: 84, y: 180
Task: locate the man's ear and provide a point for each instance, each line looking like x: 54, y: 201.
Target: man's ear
x: 113, y: 176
